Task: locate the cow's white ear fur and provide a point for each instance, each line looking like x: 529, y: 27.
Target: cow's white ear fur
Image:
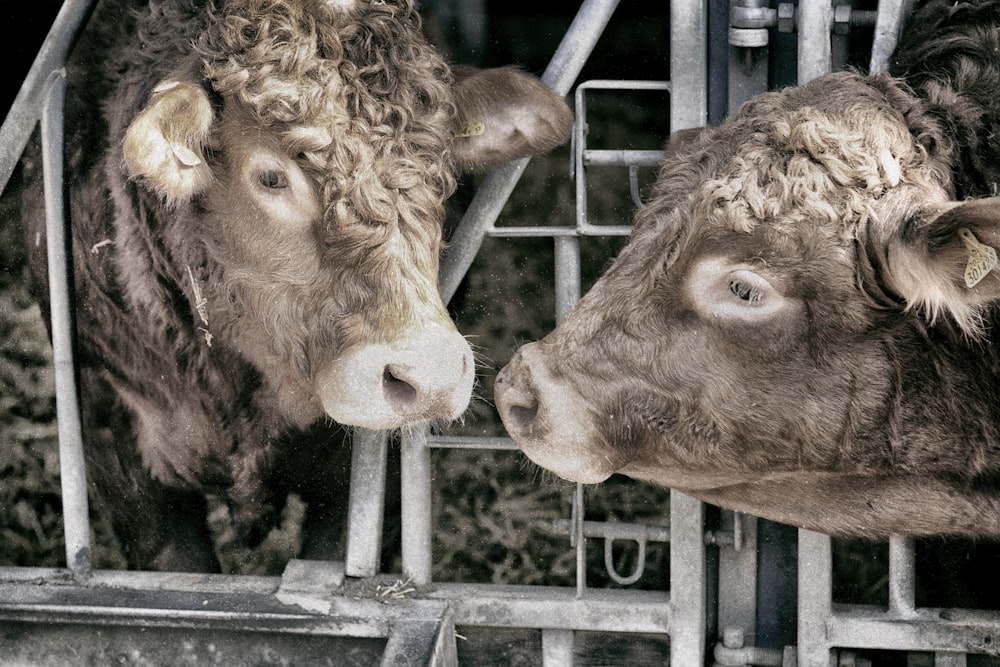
x: 505, y: 114
x: 164, y: 145
x: 942, y: 265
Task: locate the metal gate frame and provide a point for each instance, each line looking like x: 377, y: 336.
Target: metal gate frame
x: 351, y: 599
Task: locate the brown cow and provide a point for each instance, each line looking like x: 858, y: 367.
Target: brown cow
x: 801, y: 324
x: 256, y: 194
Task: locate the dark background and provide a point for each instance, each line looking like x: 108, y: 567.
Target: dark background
x: 525, y: 32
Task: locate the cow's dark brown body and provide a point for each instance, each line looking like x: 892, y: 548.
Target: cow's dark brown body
x: 256, y: 195
x: 789, y: 331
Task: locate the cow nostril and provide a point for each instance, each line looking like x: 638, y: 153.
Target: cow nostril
x: 398, y: 391
x: 521, y: 417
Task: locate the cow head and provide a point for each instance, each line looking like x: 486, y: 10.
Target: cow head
x: 750, y: 344
x: 302, y: 158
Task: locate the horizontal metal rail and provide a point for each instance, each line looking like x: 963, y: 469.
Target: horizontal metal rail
x: 345, y: 607
x: 824, y: 626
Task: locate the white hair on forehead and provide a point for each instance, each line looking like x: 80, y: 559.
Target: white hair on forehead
x: 341, y: 5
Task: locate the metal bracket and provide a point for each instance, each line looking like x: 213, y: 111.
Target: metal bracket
x: 750, y: 21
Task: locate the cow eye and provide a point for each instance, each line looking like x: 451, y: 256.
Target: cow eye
x: 272, y: 179
x: 745, y: 291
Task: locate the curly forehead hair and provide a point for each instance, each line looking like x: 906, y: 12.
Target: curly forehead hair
x: 357, y: 94
x: 829, y: 162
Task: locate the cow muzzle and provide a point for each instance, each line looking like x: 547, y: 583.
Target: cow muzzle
x: 423, y: 375
x: 549, y: 420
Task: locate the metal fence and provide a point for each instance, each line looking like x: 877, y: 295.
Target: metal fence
x: 720, y: 601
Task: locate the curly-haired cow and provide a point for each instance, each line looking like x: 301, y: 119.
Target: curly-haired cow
x: 802, y: 324
x: 257, y: 194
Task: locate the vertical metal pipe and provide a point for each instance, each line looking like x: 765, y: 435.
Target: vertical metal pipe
x: 366, y: 507
x: 688, y: 576
x: 889, y: 22
x: 688, y: 64
x: 815, y: 598
x: 493, y: 192
x: 72, y: 466
x: 949, y: 659
x: 567, y: 261
x: 490, y: 198
x: 902, y: 577
x: 557, y: 648
x: 815, y: 19
x: 416, y: 505
x: 688, y: 581
x: 580, y: 541
x: 24, y: 113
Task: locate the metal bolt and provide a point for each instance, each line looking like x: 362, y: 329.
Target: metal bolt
x: 842, y: 19
x: 786, y: 17
x: 732, y: 637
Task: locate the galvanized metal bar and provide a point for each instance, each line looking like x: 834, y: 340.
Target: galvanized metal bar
x: 815, y: 599
x: 557, y: 648
x: 471, y: 442
x: 583, y: 230
x: 562, y: 71
x: 688, y: 574
x: 622, y: 158
x: 579, y: 541
x: 930, y: 630
x: 558, y: 607
x: 949, y: 659
x: 424, y: 641
x: 738, y: 576
x: 266, y: 603
x: 688, y: 64
x: 489, y: 200
x: 815, y: 20
x: 72, y: 467
x: 366, y: 506
x: 625, y: 84
x: 617, y: 530
x: 417, y: 528
x: 688, y: 581
x: 892, y: 16
x: 531, y: 232
x: 579, y: 147
x: 26, y: 111
x: 567, y: 275
x: 902, y: 577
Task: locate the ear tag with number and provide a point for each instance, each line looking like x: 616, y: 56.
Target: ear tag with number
x: 982, y: 258
x: 470, y: 128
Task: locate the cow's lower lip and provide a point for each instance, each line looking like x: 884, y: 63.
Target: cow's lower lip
x: 573, y: 470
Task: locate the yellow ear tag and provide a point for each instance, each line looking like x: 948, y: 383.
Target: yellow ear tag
x: 470, y: 128
x: 982, y: 258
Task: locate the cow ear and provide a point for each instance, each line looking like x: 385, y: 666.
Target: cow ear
x: 948, y: 263
x: 164, y: 145
x: 505, y: 114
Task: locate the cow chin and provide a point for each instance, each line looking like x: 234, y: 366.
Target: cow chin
x: 550, y: 421
x: 421, y: 376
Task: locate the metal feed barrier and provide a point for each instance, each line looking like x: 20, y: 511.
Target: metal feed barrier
x: 725, y: 583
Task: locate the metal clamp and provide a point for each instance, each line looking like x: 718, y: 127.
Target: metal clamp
x: 750, y: 21
x: 609, y: 563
